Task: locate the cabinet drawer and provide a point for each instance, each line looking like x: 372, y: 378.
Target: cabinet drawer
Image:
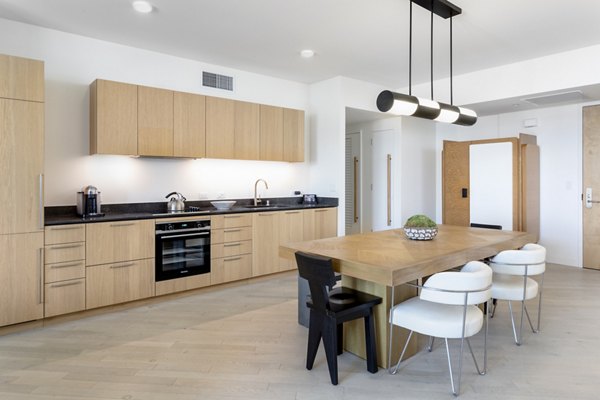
x: 230, y: 249
x: 231, y: 235
x: 119, y: 282
x: 231, y: 221
x: 57, y: 253
x: 231, y: 269
x: 64, y: 297
x: 64, y: 271
x: 64, y: 234
x: 110, y: 242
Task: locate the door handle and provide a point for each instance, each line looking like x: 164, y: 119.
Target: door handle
x: 355, y: 189
x: 589, y: 198
x: 389, y: 189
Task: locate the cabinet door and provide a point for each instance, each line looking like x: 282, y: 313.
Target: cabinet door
x: 325, y: 223
x: 189, y: 125
x: 155, y: 121
x: 21, y: 78
x: 64, y: 234
x: 113, y: 118
x: 230, y: 269
x: 21, y: 278
x: 220, y: 114
x: 64, y: 297
x: 21, y: 166
x: 271, y: 133
x: 265, y: 243
x: 291, y: 229
x: 247, y: 127
x: 119, y: 282
x: 110, y: 242
x: 293, y: 135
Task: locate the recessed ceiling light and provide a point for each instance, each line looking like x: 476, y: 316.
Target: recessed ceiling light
x: 142, y: 7
x: 307, y: 53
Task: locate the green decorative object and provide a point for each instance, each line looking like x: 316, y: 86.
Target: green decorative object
x: 420, y: 227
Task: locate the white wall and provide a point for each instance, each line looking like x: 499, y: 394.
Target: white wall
x: 72, y: 62
x: 559, y: 138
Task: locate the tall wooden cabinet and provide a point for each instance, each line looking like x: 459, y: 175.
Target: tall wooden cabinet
x: 265, y: 243
x: 21, y: 179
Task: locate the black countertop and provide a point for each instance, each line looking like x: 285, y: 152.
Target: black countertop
x: 65, y: 215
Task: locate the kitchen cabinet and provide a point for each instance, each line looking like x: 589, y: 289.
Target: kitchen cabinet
x: 64, y: 269
x: 246, y: 131
x: 220, y: 127
x: 21, y: 179
x: 320, y: 223
x: 155, y: 122
x: 21, y: 79
x: 231, y: 247
x: 111, y: 242
x: 113, y: 118
x: 293, y: 135
x: 265, y: 243
x: 22, y: 273
x: 189, y: 125
x: 271, y: 133
x: 21, y: 166
x: 291, y: 229
x: 119, y: 282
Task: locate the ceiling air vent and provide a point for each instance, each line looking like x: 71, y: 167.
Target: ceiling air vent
x: 217, y: 81
x: 557, y: 98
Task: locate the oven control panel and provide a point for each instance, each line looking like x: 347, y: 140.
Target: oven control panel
x: 183, y: 226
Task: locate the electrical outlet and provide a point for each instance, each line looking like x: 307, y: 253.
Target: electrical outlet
x: 203, y: 196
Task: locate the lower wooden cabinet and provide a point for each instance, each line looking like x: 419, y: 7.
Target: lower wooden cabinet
x: 291, y: 229
x: 265, y: 243
x: 64, y: 297
x: 232, y: 268
x: 182, y: 284
x: 118, y: 283
x: 21, y: 277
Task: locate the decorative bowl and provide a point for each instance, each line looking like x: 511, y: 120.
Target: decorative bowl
x: 223, y: 205
x: 420, y: 233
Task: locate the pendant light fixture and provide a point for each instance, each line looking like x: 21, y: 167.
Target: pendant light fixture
x: 402, y: 104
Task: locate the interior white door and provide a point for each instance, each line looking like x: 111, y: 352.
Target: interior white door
x: 383, y: 180
x: 491, y: 184
x: 353, y: 184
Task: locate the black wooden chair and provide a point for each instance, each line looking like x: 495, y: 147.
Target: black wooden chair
x: 329, y: 309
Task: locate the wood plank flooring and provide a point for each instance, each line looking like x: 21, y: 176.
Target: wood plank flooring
x: 243, y: 342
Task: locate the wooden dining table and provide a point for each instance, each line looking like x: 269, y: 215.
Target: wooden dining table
x: 381, y: 262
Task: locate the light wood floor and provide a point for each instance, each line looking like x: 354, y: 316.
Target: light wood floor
x: 244, y: 343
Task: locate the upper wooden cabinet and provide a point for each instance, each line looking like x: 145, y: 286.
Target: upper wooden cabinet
x: 155, y: 122
x: 271, y: 133
x: 139, y: 120
x: 21, y: 78
x: 189, y: 132
x: 293, y: 135
x: 220, y: 127
x: 113, y: 118
x: 246, y: 131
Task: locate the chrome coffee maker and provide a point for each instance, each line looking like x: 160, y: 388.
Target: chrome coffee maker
x: 89, y: 202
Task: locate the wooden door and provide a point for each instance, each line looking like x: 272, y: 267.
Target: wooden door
x: 265, y: 243
x: 155, y: 122
x: 271, y: 133
x: 21, y: 286
x: 113, y: 118
x: 220, y: 114
x: 21, y: 166
x: 353, y: 184
x: 455, y: 183
x: 247, y: 127
x: 591, y: 187
x: 293, y: 135
x: 291, y: 229
x: 189, y: 126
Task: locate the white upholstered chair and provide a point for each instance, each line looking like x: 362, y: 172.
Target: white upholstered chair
x: 512, y: 282
x: 446, y: 308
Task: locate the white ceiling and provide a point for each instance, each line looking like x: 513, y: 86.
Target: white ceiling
x: 361, y: 39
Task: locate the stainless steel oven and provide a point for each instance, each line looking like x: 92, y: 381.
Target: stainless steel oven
x: 182, y: 249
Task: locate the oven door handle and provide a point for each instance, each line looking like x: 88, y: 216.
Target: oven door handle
x: 184, y: 235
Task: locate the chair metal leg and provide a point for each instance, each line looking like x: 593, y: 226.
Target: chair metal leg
x: 430, y: 344
x: 494, y: 304
x: 395, y: 370
x: 512, y: 321
x: 540, y: 305
x: 389, y: 363
x: 455, y: 388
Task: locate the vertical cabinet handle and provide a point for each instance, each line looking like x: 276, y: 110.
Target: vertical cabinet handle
x: 41, y: 200
x: 41, y: 273
x: 355, y: 190
x: 389, y: 189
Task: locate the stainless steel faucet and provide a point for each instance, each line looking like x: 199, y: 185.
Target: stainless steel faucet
x: 257, y: 199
